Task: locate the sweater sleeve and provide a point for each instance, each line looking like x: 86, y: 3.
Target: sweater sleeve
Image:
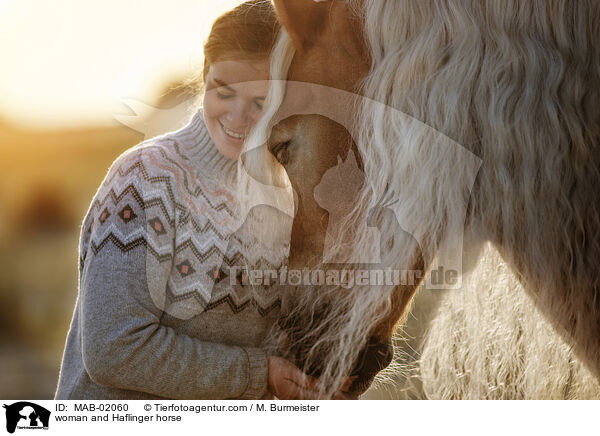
x: 130, y: 227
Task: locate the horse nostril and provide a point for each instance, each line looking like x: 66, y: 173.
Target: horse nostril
x: 374, y: 357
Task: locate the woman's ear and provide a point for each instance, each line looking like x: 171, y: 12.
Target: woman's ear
x: 303, y: 20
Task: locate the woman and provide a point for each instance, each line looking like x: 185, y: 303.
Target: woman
x: 163, y: 309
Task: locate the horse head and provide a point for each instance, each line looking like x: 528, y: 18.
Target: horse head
x: 320, y: 156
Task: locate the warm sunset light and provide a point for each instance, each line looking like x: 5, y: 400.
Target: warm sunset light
x: 209, y: 206
x: 67, y: 61
x: 79, y: 82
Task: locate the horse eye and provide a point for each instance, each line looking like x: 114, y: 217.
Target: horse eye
x: 281, y: 152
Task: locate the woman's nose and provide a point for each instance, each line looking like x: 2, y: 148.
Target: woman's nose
x: 240, y: 114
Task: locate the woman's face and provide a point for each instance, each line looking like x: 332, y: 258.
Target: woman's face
x: 235, y: 94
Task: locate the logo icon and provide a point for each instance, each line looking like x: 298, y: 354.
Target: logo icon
x: 26, y: 415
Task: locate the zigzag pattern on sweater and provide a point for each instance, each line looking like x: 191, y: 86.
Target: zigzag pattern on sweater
x: 201, y: 255
x: 187, y: 217
x: 147, y: 182
x: 198, y: 191
x: 235, y: 306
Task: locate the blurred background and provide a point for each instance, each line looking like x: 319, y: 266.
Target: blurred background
x: 79, y: 84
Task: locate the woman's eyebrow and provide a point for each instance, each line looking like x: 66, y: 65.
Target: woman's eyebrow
x: 223, y: 84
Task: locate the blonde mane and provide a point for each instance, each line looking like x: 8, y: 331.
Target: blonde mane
x: 515, y: 83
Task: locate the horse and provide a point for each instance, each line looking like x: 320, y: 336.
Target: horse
x: 514, y: 85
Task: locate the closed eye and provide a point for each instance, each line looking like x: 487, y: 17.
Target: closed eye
x: 224, y: 96
x: 281, y: 152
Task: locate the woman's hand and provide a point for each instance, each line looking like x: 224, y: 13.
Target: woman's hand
x: 288, y: 382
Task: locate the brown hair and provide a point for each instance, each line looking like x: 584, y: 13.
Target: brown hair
x: 247, y: 32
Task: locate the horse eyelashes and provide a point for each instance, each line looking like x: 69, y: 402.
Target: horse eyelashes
x: 281, y: 153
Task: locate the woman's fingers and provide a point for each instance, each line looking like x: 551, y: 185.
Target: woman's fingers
x: 295, y: 374
x: 304, y: 386
x: 292, y: 391
x: 344, y: 396
x: 348, y: 383
x: 313, y: 391
x: 303, y: 380
x: 288, y: 382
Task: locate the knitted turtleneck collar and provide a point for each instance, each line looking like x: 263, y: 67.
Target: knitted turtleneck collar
x: 200, y: 149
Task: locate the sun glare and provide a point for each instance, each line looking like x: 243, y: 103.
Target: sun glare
x: 69, y: 62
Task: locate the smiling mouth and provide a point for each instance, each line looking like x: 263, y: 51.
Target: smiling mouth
x: 232, y: 134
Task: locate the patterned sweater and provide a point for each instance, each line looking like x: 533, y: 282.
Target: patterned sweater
x: 164, y: 309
